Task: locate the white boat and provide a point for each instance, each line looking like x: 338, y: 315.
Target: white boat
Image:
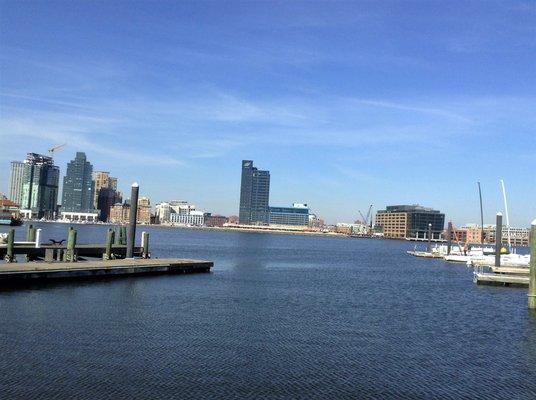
x: 473, y: 254
x: 507, y: 260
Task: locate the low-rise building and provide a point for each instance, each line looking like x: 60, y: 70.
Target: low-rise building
x: 215, y: 220
x: 193, y: 218
x: 298, y: 214
x: 9, y: 211
x: 75, y: 216
x: 120, y: 212
x: 410, y: 221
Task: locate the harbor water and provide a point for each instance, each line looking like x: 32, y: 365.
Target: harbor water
x: 280, y: 316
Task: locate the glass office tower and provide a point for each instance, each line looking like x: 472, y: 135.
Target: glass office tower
x: 78, y: 185
x: 40, y: 186
x: 254, y: 195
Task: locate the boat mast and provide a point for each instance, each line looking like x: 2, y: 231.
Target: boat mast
x: 506, y: 211
x: 481, y: 215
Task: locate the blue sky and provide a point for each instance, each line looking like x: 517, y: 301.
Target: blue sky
x: 347, y: 104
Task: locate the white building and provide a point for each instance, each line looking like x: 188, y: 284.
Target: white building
x: 162, y: 212
x: 79, y: 216
x: 165, y: 210
x: 192, y: 218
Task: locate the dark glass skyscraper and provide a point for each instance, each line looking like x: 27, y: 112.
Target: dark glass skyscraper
x: 78, y: 185
x: 40, y: 183
x: 254, y: 195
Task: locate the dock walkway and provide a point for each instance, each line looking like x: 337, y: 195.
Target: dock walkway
x: 483, y: 278
x: 38, y: 271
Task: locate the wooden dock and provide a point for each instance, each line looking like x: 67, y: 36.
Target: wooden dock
x: 486, y: 278
x: 41, y: 271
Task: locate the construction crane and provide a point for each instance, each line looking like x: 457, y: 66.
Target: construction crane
x: 54, y: 148
x: 366, y: 219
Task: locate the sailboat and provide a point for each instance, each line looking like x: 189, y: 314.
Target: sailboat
x: 510, y: 258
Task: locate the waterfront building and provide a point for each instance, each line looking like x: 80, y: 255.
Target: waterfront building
x: 9, y: 211
x: 76, y: 216
x: 298, y: 214
x: 120, y: 212
x: 518, y: 236
x: 193, y: 218
x: 233, y: 219
x: 78, y: 186
x: 254, y: 195
x: 410, y: 221
x: 215, y: 220
x: 16, y: 179
x: 101, y: 179
x: 144, y: 210
x: 315, y: 222
x: 40, y: 184
x: 162, y: 212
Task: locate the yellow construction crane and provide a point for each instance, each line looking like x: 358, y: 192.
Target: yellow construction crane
x: 54, y: 148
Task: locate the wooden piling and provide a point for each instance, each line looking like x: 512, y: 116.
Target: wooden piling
x: 145, y: 245
x: 532, y: 279
x: 498, y: 240
x: 449, y: 238
x: 133, y: 219
x: 109, y: 242
x: 70, y: 253
x: 10, y: 255
x: 30, y: 233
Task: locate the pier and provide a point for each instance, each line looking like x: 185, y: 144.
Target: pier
x: 486, y: 278
x: 66, y: 259
x: 41, y: 271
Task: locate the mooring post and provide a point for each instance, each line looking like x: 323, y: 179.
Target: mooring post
x: 131, y: 239
x: 38, y: 238
x: 498, y: 239
x: 31, y: 234
x: 145, y: 244
x: 532, y: 280
x: 109, y: 242
x: 10, y: 252
x: 70, y: 254
x: 449, y: 238
x: 429, y: 238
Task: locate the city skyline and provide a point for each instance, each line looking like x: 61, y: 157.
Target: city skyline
x: 357, y: 104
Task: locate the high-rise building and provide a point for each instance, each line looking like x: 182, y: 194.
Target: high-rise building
x: 78, y: 186
x: 106, y: 200
x: 16, y: 180
x: 40, y: 187
x: 410, y: 221
x: 101, y: 179
x: 254, y: 195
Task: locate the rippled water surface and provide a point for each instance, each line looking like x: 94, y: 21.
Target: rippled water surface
x: 280, y: 316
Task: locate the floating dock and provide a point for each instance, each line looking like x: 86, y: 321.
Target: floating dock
x: 486, y: 278
x: 42, y: 271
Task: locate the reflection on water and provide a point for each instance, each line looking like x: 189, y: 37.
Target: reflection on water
x: 280, y: 316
